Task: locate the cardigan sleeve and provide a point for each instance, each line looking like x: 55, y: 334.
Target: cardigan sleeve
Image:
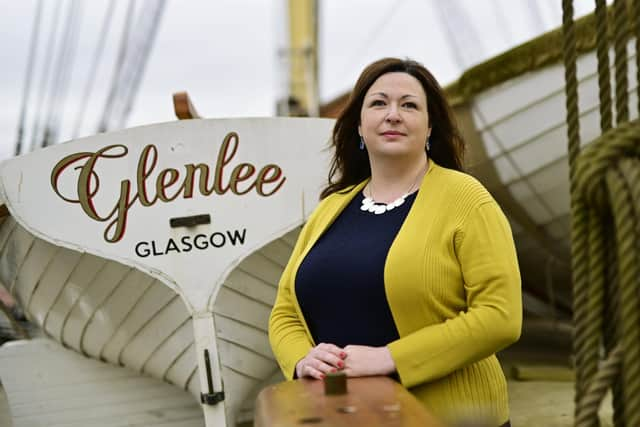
x: 287, y: 333
x: 493, y: 317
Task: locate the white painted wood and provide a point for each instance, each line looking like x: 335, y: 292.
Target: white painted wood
x: 271, y: 146
x: 138, y: 313
x: 14, y: 254
x: 245, y: 412
x: 277, y: 251
x: 154, y: 333
x: 100, y: 299
x: 81, y: 277
x: 110, y: 314
x: 6, y: 229
x: 33, y: 267
x: 527, y: 150
x: 193, y: 382
x: 250, y: 284
x: 73, y: 390
x: 291, y: 237
x: 51, y: 283
x: 183, y: 368
x: 205, y: 339
x: 239, y: 385
x: 240, y: 333
x: 164, y: 357
x: 263, y: 268
x: 244, y: 360
x: 90, y: 301
x: 234, y: 305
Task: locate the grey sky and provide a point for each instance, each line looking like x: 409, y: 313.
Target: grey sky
x: 224, y: 52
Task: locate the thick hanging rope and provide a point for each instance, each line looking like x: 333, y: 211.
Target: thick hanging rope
x: 578, y: 216
x: 635, y: 25
x: 620, y: 47
x: 608, y: 179
x: 604, y: 77
x: 629, y: 316
x: 605, y: 207
x: 586, y: 412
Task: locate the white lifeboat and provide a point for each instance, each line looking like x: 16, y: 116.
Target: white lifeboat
x: 152, y: 246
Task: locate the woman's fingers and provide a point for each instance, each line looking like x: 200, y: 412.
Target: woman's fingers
x: 333, y: 349
x: 329, y: 359
x: 313, y: 373
x: 321, y: 360
x: 330, y: 354
x: 315, y: 367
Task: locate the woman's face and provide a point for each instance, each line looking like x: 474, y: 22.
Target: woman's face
x: 394, y: 120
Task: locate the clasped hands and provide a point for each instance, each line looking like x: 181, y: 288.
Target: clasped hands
x: 354, y: 360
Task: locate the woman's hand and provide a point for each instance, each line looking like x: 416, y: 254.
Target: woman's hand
x: 321, y: 360
x: 362, y: 361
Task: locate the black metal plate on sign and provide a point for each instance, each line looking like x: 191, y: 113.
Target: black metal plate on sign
x: 190, y: 221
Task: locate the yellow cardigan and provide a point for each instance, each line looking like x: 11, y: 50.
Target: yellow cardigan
x: 453, y: 286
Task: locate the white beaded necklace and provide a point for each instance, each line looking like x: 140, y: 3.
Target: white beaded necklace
x: 370, y: 205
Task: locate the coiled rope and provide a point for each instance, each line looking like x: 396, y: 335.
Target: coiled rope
x: 605, y: 228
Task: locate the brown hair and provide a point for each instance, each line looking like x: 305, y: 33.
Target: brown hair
x: 351, y: 165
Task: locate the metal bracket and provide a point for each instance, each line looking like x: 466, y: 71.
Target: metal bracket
x: 210, y: 398
x: 190, y: 221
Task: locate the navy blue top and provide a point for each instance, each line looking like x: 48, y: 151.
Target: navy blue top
x: 340, y: 283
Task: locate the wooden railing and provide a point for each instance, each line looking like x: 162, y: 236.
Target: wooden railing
x: 369, y: 401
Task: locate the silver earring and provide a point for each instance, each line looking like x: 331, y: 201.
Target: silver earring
x: 361, y: 142
x: 428, y: 144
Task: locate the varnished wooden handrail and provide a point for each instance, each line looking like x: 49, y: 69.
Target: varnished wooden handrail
x: 183, y: 107
x: 369, y: 401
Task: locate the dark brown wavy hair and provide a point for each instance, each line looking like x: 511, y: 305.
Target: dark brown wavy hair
x: 350, y: 165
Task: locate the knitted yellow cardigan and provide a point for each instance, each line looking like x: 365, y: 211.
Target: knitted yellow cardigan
x: 453, y: 285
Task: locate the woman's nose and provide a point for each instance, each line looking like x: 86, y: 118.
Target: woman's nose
x: 393, y: 116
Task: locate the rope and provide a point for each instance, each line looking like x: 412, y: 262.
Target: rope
x: 61, y: 90
x: 605, y: 208
x: 33, y: 47
x: 595, y: 304
x: 44, y: 78
x: 635, y: 24
x: 62, y: 67
x: 598, y: 388
x: 607, y: 178
x: 620, y: 49
x: 134, y: 54
x: 604, y: 77
x: 120, y: 63
x: 611, y: 329
x: 629, y: 315
x: 153, y: 19
x: 578, y: 213
x: 86, y: 94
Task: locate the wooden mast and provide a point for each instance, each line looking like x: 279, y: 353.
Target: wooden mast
x: 302, y: 56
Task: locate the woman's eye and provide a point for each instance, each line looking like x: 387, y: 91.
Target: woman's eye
x: 410, y: 105
x: 377, y: 102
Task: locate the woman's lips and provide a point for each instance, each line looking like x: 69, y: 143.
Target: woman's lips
x: 392, y: 133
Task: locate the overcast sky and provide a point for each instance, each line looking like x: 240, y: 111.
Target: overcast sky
x: 225, y: 52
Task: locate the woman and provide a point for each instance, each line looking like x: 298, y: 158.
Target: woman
x: 407, y: 267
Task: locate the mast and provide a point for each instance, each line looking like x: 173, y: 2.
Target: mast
x: 299, y: 60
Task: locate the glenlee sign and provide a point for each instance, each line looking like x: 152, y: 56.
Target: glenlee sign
x: 169, y: 184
